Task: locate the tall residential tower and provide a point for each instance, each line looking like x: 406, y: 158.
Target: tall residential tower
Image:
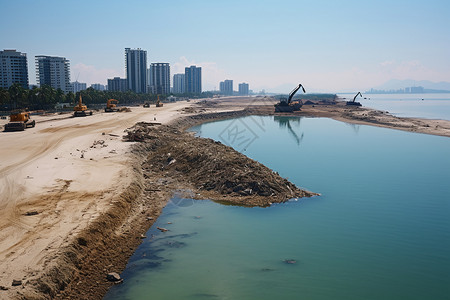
x: 13, y: 69
x: 226, y: 87
x: 53, y: 71
x: 178, y: 84
x: 243, y: 89
x: 159, y: 78
x: 193, y: 80
x: 136, y: 69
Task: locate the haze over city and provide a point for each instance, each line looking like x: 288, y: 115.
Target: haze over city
x: 329, y: 46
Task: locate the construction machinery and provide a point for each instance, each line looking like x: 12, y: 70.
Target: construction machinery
x: 146, y: 104
x: 19, y: 120
x: 159, y: 103
x: 353, y: 102
x: 80, y: 110
x: 287, y: 105
x: 111, y: 105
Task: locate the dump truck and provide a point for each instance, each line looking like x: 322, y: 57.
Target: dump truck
x: 111, y: 105
x: 287, y: 105
x: 19, y: 120
x: 80, y: 110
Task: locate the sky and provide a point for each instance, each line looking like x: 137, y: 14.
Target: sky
x: 327, y: 45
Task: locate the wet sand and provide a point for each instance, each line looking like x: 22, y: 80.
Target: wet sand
x: 75, y: 199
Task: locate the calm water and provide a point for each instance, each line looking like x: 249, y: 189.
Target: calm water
x: 380, y: 230
x: 433, y: 106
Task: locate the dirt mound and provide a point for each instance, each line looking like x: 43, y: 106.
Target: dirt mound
x: 213, y: 170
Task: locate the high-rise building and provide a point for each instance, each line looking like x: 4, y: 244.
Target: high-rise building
x: 117, y: 84
x: 159, y: 78
x: 98, y: 86
x: 13, y: 69
x: 53, y: 71
x: 193, y: 80
x: 78, y: 86
x: 178, y: 83
x: 136, y: 69
x: 416, y: 89
x: 226, y: 87
x: 243, y: 89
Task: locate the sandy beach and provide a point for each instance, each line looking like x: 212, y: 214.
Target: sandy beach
x: 68, y: 183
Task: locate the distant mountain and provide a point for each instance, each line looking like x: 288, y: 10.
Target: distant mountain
x: 395, y: 84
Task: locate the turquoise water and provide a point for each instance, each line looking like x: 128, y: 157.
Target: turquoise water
x: 380, y: 230
x: 433, y: 106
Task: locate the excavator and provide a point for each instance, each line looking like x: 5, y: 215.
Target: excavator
x: 159, y: 103
x: 353, y: 102
x: 285, y: 105
x: 80, y: 110
x: 111, y: 105
x: 19, y: 120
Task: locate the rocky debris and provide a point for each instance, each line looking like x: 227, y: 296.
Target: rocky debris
x: 139, y: 132
x: 16, y: 282
x: 3, y: 288
x: 216, y: 171
x: 31, y: 213
x: 162, y: 229
x: 100, y: 143
x: 114, y: 277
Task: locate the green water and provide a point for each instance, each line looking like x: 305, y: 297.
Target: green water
x: 380, y: 230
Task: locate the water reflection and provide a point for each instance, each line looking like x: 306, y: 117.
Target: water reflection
x: 287, y: 122
x: 355, y: 127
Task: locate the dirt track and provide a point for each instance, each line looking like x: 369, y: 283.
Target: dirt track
x: 55, y: 179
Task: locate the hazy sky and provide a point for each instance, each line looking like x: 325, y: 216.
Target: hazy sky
x: 326, y: 45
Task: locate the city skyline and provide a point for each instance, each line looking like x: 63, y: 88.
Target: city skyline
x: 325, y: 45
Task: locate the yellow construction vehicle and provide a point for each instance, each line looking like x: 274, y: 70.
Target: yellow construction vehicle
x: 19, y: 120
x: 80, y: 110
x: 111, y: 105
x: 158, y: 103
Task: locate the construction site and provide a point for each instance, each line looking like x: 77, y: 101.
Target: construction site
x: 78, y: 194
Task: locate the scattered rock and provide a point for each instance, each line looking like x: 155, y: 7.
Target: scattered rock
x: 114, y: 277
x: 3, y: 288
x: 16, y: 282
x: 162, y: 229
x: 31, y: 213
x: 143, y: 236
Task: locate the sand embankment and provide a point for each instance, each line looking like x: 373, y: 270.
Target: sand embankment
x: 339, y: 112
x: 56, y: 180
x: 75, y: 198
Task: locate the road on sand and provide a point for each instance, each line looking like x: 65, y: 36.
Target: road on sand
x: 58, y: 177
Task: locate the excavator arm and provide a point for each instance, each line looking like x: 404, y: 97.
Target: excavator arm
x: 292, y: 93
x: 111, y: 103
x: 354, y: 98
